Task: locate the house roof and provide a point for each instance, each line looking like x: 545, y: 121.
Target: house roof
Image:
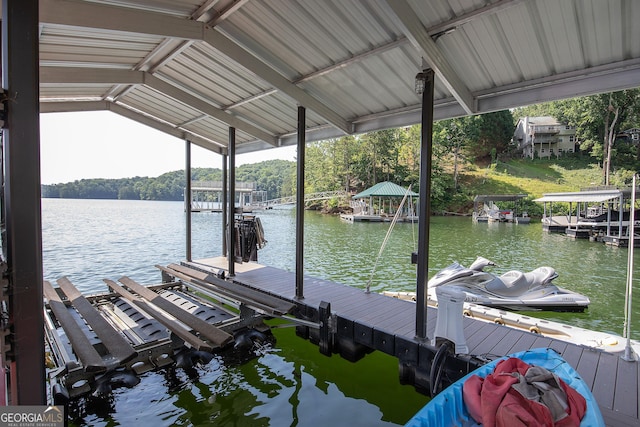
x: 194, y: 68
x: 385, y: 189
x: 543, y: 120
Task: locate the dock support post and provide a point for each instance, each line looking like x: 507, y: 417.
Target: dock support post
x: 187, y: 197
x: 324, y: 314
x: 22, y: 229
x: 428, y: 79
x: 300, y: 204
x: 225, y: 198
x: 231, y: 246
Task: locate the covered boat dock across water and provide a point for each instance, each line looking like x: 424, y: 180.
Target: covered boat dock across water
x: 598, y: 215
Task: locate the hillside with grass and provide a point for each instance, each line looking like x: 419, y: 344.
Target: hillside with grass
x: 531, y: 177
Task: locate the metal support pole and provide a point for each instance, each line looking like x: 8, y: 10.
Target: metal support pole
x: 425, y: 204
x: 629, y: 354
x: 300, y: 204
x: 225, y: 198
x: 231, y: 255
x: 187, y: 197
x: 22, y: 243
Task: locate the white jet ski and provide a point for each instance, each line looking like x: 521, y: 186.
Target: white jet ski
x: 513, y: 290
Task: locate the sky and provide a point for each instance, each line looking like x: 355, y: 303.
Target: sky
x: 102, y: 144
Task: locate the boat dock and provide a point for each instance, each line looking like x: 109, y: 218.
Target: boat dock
x: 485, y: 209
x: 597, y: 215
x: 114, y: 337
x: 350, y: 322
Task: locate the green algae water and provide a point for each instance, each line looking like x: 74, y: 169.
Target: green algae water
x: 291, y: 383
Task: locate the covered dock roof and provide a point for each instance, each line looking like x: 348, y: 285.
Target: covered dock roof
x: 581, y: 196
x: 385, y: 189
x: 194, y: 68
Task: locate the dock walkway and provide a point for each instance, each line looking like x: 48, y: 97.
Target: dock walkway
x: 371, y: 321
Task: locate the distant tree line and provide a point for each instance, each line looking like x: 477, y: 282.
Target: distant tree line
x: 273, y: 176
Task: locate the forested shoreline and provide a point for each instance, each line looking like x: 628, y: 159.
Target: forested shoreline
x: 273, y: 176
x: 465, y: 152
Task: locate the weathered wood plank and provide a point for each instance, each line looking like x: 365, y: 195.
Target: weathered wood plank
x: 115, y: 343
x: 558, y: 346
x: 483, y: 335
x: 525, y: 342
x: 572, y: 354
x: 383, y: 312
x: 87, y: 354
x: 485, y: 346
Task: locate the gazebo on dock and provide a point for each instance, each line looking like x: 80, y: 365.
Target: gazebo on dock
x: 380, y: 203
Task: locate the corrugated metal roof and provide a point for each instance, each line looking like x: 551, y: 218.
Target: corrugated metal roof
x: 194, y: 69
x: 581, y: 196
x: 385, y: 189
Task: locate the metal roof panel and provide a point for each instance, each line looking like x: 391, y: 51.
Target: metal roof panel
x: 351, y: 64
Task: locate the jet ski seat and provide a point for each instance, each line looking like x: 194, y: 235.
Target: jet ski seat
x: 510, y: 284
x: 515, y: 283
x: 541, y: 275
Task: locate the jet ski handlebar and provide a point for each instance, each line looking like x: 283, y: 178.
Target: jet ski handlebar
x: 480, y: 263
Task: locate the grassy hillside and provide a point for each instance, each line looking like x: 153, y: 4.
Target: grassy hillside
x: 532, y: 177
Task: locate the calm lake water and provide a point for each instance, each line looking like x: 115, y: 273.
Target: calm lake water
x: 291, y: 384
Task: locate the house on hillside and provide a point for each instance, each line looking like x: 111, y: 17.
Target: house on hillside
x: 544, y: 137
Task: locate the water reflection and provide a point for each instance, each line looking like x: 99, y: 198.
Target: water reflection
x: 292, y: 384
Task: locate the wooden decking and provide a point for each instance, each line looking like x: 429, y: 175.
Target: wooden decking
x: 377, y: 322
